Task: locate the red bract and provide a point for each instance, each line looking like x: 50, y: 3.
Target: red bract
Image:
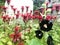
x: 12, y: 35
x: 48, y: 17
x: 17, y: 28
x: 15, y: 36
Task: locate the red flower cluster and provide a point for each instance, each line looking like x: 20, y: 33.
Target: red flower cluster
x: 4, y: 8
x: 17, y: 28
x: 49, y: 17
x: 6, y: 18
x: 28, y: 17
x: 16, y: 35
x: 17, y: 16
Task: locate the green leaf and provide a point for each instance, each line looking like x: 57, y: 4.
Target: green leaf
x: 1, y: 22
x: 35, y: 42
x: 9, y: 43
x: 3, y: 40
x: 1, y: 43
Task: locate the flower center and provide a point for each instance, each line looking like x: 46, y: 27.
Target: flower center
x: 39, y: 34
x: 45, y: 25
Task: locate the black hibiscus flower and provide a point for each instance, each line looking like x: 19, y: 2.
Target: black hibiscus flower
x: 46, y: 25
x: 50, y: 40
x: 39, y: 34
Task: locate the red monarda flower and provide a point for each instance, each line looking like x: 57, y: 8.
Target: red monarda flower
x: 18, y: 12
x: 17, y: 16
x: 27, y: 7
x: 15, y: 36
x: 54, y: 17
x: 6, y: 18
x: 24, y: 17
x: 30, y: 11
x: 12, y: 6
x: 29, y: 16
x: 12, y: 35
x: 48, y: 17
x: 22, y: 8
x: 14, y: 9
x: 40, y: 18
x: 17, y: 28
x: 4, y: 8
x: 8, y: 1
x: 36, y: 12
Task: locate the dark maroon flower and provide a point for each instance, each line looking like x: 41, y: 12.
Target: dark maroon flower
x: 50, y: 40
x: 39, y: 34
x: 46, y: 25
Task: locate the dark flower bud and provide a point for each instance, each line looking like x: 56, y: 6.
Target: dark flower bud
x: 50, y: 40
x: 39, y: 34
